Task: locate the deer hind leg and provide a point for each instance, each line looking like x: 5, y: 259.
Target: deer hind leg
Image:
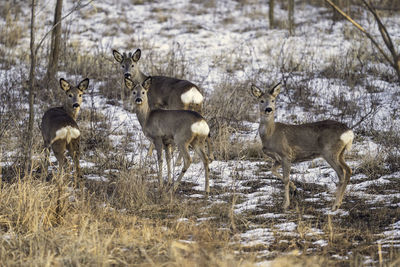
x: 74, y: 151
x: 159, y: 146
x: 184, y: 151
x: 346, y: 180
x: 340, y: 170
x: 199, y: 148
x: 150, y: 152
x: 168, y: 149
x: 286, y: 165
x: 274, y: 171
x: 59, y: 148
x: 46, y: 162
x: 210, y: 149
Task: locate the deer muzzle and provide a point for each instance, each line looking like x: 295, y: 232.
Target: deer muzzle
x: 75, y: 105
x: 138, y: 101
x: 127, y: 75
x: 268, y: 110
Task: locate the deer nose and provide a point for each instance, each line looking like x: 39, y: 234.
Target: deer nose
x: 76, y: 105
x: 268, y: 110
x: 138, y: 101
x: 127, y: 75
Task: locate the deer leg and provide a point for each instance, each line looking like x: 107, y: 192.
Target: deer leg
x: 167, y: 149
x: 150, y: 152
x: 46, y: 159
x: 180, y: 158
x: 274, y: 171
x: 209, y: 149
x: 199, y: 148
x: 286, y: 165
x: 59, y: 148
x: 346, y: 179
x: 184, y: 150
x: 75, y: 153
x: 333, y: 160
x: 158, y: 146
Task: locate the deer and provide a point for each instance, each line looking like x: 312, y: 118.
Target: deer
x: 59, y: 128
x: 166, y: 92
x: 167, y: 128
x: 287, y: 144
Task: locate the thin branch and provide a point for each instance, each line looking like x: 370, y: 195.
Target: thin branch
x: 78, y: 6
x: 358, y: 26
x: 382, y: 29
x: 373, y: 111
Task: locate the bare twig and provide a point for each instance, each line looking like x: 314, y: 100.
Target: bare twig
x: 373, y: 110
x: 78, y: 6
x: 385, y: 35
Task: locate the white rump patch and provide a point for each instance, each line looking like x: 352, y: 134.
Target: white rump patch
x: 67, y: 133
x: 193, y: 96
x: 347, y: 138
x: 200, y: 127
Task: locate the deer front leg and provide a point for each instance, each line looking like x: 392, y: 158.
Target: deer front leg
x: 274, y: 171
x: 286, y: 165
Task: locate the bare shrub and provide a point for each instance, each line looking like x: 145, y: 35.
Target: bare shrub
x: 373, y: 166
x: 132, y: 189
x: 227, y: 107
x: 173, y: 64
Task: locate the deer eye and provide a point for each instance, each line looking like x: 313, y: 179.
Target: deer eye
x: 70, y: 95
x: 134, y: 92
x: 122, y: 66
x: 262, y: 101
x: 132, y: 65
x: 80, y: 95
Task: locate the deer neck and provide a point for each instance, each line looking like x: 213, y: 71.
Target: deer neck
x: 72, y: 112
x: 143, y: 113
x: 267, y: 125
x: 139, y: 76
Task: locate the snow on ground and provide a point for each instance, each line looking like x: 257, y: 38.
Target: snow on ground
x: 234, y: 38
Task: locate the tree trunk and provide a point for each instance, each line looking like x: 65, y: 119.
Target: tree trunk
x: 52, y: 68
x: 29, y: 131
x: 271, y: 14
x: 291, y: 17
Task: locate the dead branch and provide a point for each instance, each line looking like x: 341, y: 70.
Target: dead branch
x: 395, y: 62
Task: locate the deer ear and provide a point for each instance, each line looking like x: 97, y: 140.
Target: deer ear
x: 64, y: 85
x: 118, y: 57
x: 129, y: 83
x: 147, y: 83
x: 256, y: 92
x: 136, y: 55
x: 275, y: 90
x: 83, y: 85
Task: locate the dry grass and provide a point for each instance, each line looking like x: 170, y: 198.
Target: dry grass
x: 126, y: 221
x: 49, y: 223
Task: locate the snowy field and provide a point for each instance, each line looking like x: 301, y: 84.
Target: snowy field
x: 230, y: 41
